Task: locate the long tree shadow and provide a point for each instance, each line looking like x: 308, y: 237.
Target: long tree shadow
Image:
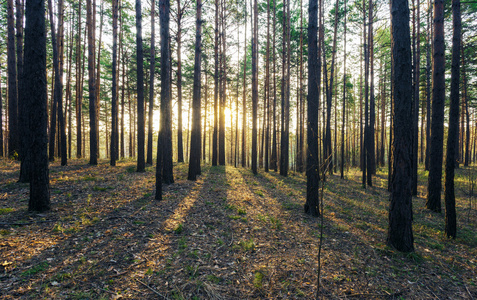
x: 96, y: 247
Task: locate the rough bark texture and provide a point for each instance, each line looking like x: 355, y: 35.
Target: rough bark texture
x: 254, y: 87
x: 195, y: 147
x: 141, y: 164
x: 35, y: 92
x: 152, y: 67
x: 438, y: 99
x: 180, y: 147
x: 114, y: 101
x: 453, y: 134
x: 216, y: 85
x: 93, y: 144
x: 166, y: 108
x: 13, y: 134
x: 79, y: 87
x: 400, y: 210
x: 313, y: 103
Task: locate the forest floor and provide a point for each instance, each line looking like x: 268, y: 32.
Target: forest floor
x: 229, y: 235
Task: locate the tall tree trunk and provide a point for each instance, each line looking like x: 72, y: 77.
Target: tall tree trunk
x: 267, y: 91
x: 467, y: 156
x: 438, y: 98
x: 164, y: 8
x: 428, y: 90
x: 141, y: 165
x: 274, y: 155
x: 254, y: 86
x: 400, y: 210
x: 223, y: 77
x: 35, y: 94
x: 13, y: 130
x: 79, y: 87
x: 365, y: 153
x: 416, y: 63
x: 180, y: 147
x: 93, y: 144
x: 194, y: 161
x: 344, y: 100
x: 114, y: 101
x: 284, y: 135
x: 166, y: 107
x: 152, y: 67
x: 216, y: 85
x: 371, y: 159
x: 244, y: 95
x: 313, y: 103
x: 453, y: 134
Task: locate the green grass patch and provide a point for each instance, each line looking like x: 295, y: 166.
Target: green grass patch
x: 5, y: 210
x: 258, y: 279
x: 35, y: 269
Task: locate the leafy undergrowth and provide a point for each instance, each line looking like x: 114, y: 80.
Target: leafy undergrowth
x: 230, y: 235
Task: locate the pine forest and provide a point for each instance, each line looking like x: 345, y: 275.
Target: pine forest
x: 233, y: 149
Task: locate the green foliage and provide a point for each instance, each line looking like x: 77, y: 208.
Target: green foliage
x: 5, y: 210
x: 35, y: 270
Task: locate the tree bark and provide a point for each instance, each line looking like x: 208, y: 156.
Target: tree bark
x: 152, y: 67
x: 195, y: 147
x: 35, y: 92
x: 141, y: 165
x: 114, y: 101
x: 438, y: 99
x: 180, y: 147
x: 453, y: 134
x: 313, y: 103
x: 400, y: 234
x: 254, y: 86
x: 13, y: 133
x: 93, y: 144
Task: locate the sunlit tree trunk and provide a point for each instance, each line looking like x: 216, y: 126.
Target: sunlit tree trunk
x: 141, y: 165
x: 114, y: 101
x: 254, y: 86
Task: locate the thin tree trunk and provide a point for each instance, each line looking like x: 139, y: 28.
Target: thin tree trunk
x: 152, y: 67
x: 114, y: 101
x: 13, y: 130
x: 180, y: 147
x: 244, y: 95
x: 140, y: 90
x: 79, y: 87
x: 344, y: 99
x: 216, y: 85
x: 93, y: 144
x: 254, y: 86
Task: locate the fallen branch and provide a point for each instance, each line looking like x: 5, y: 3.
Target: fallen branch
x: 153, y: 290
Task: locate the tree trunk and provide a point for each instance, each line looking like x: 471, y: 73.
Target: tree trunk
x: 371, y: 158
x: 79, y: 87
x: 400, y: 234
x: 93, y: 144
x: 194, y: 161
x: 416, y: 62
x: 274, y: 154
x: 223, y: 90
x: 428, y: 91
x: 313, y: 102
x: 453, y: 134
x: 114, y: 100
x: 254, y: 86
x: 13, y: 132
x: 180, y: 147
x: 244, y: 95
x: 438, y: 99
x: 141, y: 165
x: 344, y: 100
x: 35, y: 93
x: 216, y: 85
x: 166, y: 107
x: 152, y: 67
x: 285, y: 96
